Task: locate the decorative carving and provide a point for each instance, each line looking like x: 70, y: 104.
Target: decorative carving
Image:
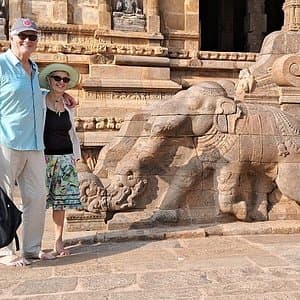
x: 92, y: 47
x: 89, y: 157
x: 251, y: 149
x: 127, y: 16
x: 239, y: 56
x: 128, y: 7
x: 90, y: 188
x: 291, y: 15
x: 179, y: 53
x: 101, y: 59
x: 119, y: 195
x: 246, y: 82
x: 98, y: 123
x: 139, y: 98
x: 286, y: 70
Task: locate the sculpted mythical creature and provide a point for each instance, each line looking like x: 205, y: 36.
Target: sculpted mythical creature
x: 250, y: 149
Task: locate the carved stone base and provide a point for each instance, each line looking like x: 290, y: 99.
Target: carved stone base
x: 143, y: 219
x: 160, y: 217
x: 285, y: 210
x: 85, y: 221
x: 128, y: 22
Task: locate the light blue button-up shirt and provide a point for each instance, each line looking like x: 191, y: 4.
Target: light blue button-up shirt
x: 22, y: 108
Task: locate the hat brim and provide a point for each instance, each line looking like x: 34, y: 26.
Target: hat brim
x: 73, y: 74
x: 17, y: 31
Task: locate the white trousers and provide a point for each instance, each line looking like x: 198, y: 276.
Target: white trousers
x: 28, y: 169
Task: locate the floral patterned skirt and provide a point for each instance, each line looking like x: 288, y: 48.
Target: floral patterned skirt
x: 62, y: 182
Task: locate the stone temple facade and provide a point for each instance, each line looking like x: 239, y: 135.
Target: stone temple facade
x: 134, y: 55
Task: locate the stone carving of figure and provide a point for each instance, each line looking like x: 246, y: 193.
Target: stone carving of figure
x: 128, y: 7
x: 246, y: 82
x: 120, y: 5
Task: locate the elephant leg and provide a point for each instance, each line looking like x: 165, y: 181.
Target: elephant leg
x: 181, y: 182
x: 260, y: 210
x: 228, y: 182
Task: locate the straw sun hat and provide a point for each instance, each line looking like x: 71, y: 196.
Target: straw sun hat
x: 73, y: 74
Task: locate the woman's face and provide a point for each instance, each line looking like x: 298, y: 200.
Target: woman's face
x: 58, y: 81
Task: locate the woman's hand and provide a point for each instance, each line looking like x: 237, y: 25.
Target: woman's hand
x: 69, y: 100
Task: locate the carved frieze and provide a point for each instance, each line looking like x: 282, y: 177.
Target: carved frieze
x: 92, y: 46
x: 239, y: 56
x: 98, y: 123
x: 123, y: 97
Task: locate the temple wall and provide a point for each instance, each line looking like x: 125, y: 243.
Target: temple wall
x: 128, y: 60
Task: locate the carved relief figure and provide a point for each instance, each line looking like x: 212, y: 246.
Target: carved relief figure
x: 252, y: 150
x: 128, y: 7
x: 128, y: 16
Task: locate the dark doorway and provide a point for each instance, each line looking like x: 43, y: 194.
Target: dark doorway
x: 275, y: 15
x: 222, y: 25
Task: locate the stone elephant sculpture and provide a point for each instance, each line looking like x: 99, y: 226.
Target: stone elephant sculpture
x: 252, y: 149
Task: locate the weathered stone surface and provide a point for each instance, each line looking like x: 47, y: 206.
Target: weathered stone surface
x: 107, y: 282
x: 155, y: 269
x: 46, y: 286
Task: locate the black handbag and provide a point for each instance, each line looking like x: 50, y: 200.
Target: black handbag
x: 10, y: 220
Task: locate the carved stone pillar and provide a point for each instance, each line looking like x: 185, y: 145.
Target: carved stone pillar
x: 105, y: 15
x: 191, y: 26
x: 153, y: 18
x: 291, y: 15
x: 60, y: 11
x: 15, y: 10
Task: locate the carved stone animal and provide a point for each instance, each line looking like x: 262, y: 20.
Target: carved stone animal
x: 251, y: 148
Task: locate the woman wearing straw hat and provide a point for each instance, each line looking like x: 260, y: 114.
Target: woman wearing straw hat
x: 62, y: 147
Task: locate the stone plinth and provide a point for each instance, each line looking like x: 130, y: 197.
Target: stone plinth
x: 285, y: 210
x: 85, y: 221
x: 128, y: 22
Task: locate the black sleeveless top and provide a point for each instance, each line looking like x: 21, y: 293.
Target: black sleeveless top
x: 56, y: 133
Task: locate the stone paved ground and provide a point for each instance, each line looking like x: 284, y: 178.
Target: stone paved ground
x: 185, y: 265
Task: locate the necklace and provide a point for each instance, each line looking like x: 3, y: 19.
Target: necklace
x: 54, y: 104
x: 56, y: 107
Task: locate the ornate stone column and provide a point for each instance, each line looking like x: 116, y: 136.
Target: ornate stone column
x: 60, y: 11
x: 191, y: 26
x: 153, y: 18
x: 291, y: 15
x: 105, y: 15
x: 15, y: 10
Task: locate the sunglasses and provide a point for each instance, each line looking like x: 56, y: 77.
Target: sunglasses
x: 31, y: 37
x: 58, y: 78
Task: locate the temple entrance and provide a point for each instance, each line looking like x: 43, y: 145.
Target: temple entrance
x: 222, y: 25
x: 238, y: 25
